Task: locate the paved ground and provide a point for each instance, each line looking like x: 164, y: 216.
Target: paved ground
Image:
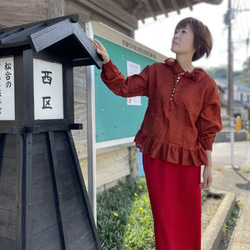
x: 235, y: 178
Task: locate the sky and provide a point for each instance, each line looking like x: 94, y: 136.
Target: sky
x: 157, y: 34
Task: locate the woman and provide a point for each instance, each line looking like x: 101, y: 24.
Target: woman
x: 177, y: 133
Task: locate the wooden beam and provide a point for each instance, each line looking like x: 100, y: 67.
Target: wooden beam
x: 112, y: 12
x: 176, y: 6
x: 150, y: 9
x: 163, y: 8
x: 189, y: 4
x: 134, y: 9
x: 210, y: 1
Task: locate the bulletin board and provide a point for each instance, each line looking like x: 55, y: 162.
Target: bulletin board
x: 118, y: 117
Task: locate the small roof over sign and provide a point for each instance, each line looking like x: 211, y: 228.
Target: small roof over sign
x: 61, y: 36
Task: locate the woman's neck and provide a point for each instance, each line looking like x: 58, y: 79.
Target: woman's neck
x: 185, y: 63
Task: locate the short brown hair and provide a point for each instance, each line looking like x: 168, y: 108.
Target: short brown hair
x: 202, y: 37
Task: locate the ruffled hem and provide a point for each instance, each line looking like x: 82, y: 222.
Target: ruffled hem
x: 170, y: 152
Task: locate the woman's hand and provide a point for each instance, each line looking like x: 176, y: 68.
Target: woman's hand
x: 101, y: 50
x: 207, y: 177
x: 207, y: 172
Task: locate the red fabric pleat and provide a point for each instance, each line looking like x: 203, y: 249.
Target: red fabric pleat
x: 175, y: 198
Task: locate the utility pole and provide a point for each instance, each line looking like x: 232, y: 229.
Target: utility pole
x: 228, y: 19
x: 230, y: 104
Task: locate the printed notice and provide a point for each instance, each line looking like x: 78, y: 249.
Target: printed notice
x: 133, y: 68
x: 48, y: 90
x: 7, y: 89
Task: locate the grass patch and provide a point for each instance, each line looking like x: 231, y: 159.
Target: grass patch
x: 246, y: 170
x: 230, y: 224
x: 124, y: 216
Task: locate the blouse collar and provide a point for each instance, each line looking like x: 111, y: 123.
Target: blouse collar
x: 197, y: 74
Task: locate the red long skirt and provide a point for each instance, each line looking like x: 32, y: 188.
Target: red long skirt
x: 175, y: 198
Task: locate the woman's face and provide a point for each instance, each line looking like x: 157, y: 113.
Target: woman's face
x: 183, y: 41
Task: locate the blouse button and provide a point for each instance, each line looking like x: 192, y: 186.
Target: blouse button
x: 170, y: 99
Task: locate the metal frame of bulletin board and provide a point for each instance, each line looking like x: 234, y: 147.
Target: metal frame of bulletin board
x: 114, y: 120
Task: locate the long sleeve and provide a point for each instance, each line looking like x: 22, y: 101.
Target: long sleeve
x: 209, y: 121
x: 136, y: 85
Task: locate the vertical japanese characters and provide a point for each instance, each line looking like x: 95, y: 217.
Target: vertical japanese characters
x: 46, y: 79
x: 7, y: 95
x: 48, y: 90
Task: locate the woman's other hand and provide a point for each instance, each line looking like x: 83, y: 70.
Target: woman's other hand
x: 207, y: 172
x: 207, y: 177
x: 101, y: 50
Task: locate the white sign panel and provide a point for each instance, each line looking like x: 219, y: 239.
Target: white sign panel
x: 133, y: 68
x: 7, y: 89
x: 48, y: 90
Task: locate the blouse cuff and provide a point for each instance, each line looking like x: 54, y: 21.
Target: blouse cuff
x: 207, y: 143
x: 109, y: 70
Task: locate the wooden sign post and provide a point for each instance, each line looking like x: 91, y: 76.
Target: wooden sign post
x: 43, y: 198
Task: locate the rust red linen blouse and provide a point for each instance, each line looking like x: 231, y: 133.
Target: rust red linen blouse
x: 183, y: 113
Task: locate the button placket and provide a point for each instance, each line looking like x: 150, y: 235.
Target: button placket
x: 172, y: 95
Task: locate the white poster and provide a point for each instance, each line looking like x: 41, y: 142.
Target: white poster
x: 48, y: 90
x: 7, y: 89
x: 133, y: 68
